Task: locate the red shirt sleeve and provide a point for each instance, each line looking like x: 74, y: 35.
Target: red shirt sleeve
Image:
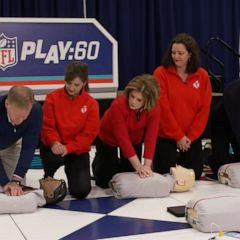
x: 151, y: 133
x: 200, y: 120
x: 120, y: 130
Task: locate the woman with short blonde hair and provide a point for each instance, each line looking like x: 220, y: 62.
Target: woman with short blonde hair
x: 148, y: 86
x: 131, y: 120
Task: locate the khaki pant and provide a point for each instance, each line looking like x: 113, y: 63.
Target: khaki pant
x: 9, y: 158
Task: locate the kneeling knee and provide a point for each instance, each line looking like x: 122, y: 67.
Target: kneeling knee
x: 80, y: 193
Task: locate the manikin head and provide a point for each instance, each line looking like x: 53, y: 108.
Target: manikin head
x: 184, y: 178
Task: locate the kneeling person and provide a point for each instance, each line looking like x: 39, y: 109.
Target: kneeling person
x: 70, y: 124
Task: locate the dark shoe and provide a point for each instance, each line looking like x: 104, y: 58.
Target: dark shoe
x: 212, y: 177
x: 54, y: 190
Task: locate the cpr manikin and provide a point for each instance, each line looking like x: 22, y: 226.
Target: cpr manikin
x: 130, y: 185
x: 52, y: 191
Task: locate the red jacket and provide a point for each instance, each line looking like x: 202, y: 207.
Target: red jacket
x: 120, y: 127
x: 184, y: 107
x: 73, y: 122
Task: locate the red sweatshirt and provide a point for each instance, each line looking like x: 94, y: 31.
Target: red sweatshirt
x: 184, y: 107
x: 73, y: 122
x: 121, y: 127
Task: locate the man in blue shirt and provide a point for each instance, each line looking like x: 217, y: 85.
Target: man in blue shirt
x: 20, y: 125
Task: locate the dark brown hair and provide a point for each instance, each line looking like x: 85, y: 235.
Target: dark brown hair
x: 191, y: 46
x: 77, y: 69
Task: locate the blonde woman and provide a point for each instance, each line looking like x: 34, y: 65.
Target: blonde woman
x: 131, y: 120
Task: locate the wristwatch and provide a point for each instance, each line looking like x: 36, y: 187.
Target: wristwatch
x: 16, y: 181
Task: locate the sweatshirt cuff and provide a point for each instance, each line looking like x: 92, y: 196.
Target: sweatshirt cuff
x: 179, y: 136
x: 148, y: 156
x: 129, y: 154
x: 17, y: 176
x: 50, y: 141
x: 70, y: 148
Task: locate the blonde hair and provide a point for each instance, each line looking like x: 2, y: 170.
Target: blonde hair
x: 21, y: 96
x: 149, y: 87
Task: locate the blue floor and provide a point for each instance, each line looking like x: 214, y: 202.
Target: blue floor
x: 112, y: 226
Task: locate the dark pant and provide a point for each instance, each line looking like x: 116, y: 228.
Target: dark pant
x: 107, y: 162
x: 222, y: 137
x: 77, y: 169
x: 167, y: 156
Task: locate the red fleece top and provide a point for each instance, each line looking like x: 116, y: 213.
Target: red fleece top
x: 184, y: 107
x: 73, y: 122
x: 121, y: 127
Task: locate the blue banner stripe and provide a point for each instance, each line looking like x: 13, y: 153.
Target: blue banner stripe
x: 36, y: 162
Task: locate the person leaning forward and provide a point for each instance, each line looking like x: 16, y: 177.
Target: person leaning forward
x: 131, y: 120
x: 20, y: 125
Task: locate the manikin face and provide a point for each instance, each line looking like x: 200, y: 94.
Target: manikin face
x: 136, y: 100
x: 180, y: 55
x: 16, y: 114
x: 74, y: 87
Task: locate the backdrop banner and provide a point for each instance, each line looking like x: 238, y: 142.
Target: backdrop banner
x: 36, y: 51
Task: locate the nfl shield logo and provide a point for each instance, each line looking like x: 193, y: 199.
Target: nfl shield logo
x: 8, y: 52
